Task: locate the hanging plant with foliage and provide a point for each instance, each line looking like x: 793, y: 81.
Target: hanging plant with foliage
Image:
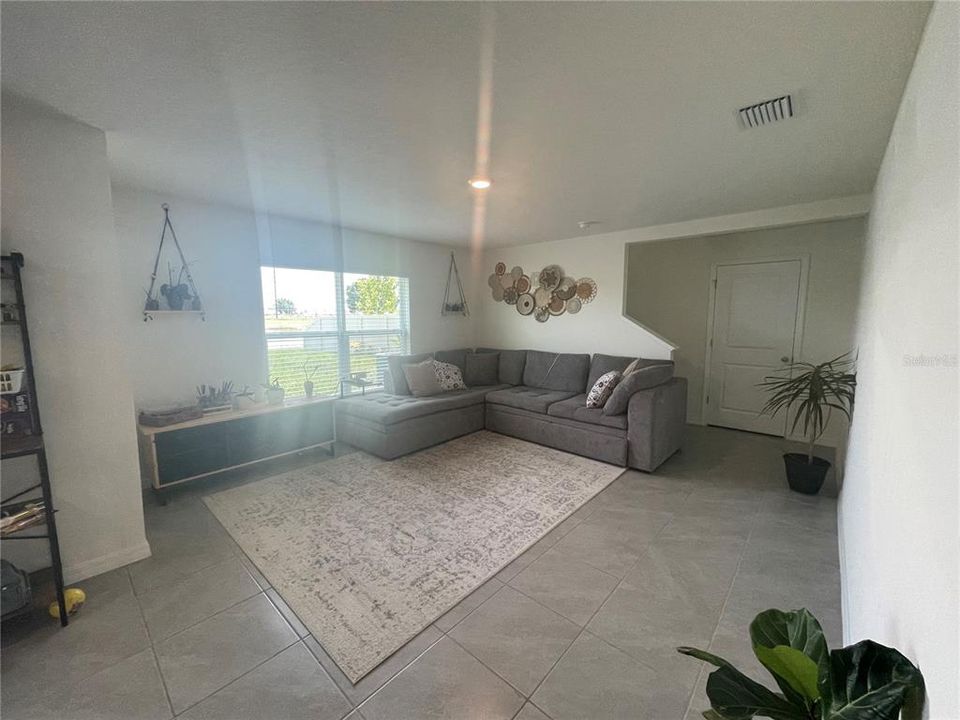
x: 865, y: 681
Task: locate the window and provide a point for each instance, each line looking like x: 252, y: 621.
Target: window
x: 322, y: 326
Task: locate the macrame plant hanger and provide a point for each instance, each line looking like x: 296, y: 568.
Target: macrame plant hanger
x: 152, y: 304
x: 459, y: 304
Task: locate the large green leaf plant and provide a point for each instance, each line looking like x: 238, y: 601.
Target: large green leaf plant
x: 866, y: 681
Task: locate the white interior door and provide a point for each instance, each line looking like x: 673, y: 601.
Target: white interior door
x: 755, y: 325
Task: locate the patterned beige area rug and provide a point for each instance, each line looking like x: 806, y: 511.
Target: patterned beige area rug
x: 369, y: 552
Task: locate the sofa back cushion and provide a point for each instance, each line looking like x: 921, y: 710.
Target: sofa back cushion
x: 648, y: 376
x: 482, y: 369
x: 394, y: 381
x: 602, y: 364
x: 454, y: 357
x: 422, y: 379
x: 512, y: 363
x: 556, y: 371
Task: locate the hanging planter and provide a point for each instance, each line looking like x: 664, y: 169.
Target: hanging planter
x: 177, y: 296
x: 457, y: 304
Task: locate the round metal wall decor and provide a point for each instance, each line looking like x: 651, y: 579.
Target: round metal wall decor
x: 525, y: 304
x: 541, y: 294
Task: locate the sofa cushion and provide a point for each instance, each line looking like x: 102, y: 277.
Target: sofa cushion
x: 449, y: 376
x: 422, y: 379
x: 387, y: 409
x: 395, y: 382
x: 566, y: 372
x: 527, y: 398
x: 602, y: 364
x: 575, y: 408
x: 512, y: 363
x: 454, y: 357
x: 645, y: 377
x: 603, y: 388
x: 482, y: 369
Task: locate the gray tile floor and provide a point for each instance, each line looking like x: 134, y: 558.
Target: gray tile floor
x: 582, y: 626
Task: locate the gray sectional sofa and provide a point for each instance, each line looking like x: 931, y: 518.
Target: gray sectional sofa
x: 540, y: 397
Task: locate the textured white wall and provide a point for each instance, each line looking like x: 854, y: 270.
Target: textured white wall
x: 57, y: 212
x: 899, y: 523
x: 226, y: 246
x: 668, y: 290
x: 602, y: 325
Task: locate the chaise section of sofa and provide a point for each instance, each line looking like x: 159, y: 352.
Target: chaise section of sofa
x: 389, y: 425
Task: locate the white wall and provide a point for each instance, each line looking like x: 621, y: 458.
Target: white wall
x: 899, y: 521
x: 602, y: 326
x: 172, y: 354
x: 57, y: 212
x: 226, y: 247
x: 668, y: 290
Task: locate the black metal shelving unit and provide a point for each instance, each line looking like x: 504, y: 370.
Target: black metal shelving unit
x: 10, y: 271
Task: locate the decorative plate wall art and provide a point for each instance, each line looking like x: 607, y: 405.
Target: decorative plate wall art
x: 542, y: 294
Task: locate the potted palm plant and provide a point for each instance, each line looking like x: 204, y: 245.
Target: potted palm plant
x: 814, y: 392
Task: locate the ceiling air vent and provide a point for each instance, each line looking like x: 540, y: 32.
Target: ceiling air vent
x: 766, y: 112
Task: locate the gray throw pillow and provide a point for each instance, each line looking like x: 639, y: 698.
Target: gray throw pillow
x: 422, y: 379
x: 395, y: 382
x: 481, y: 369
x: 641, y: 379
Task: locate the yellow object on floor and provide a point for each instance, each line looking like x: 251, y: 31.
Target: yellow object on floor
x: 74, y: 598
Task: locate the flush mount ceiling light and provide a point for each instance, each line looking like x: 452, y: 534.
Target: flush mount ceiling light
x: 584, y: 224
x: 479, y: 183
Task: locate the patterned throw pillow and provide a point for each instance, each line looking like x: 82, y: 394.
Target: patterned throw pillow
x: 603, y: 388
x: 449, y: 376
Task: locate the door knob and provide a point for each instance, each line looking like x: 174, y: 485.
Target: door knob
x: 785, y: 359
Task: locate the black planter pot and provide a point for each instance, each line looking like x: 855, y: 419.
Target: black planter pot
x: 805, y: 477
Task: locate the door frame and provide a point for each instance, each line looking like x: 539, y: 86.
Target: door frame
x: 804, y: 259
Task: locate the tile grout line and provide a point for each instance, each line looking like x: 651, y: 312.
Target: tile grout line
x: 398, y: 673
x: 160, y: 641
x: 583, y: 629
x: 726, y: 599
x: 240, y: 676
x: 153, y: 649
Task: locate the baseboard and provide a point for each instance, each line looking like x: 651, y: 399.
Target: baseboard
x: 105, y: 563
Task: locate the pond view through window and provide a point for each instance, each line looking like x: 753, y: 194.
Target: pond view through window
x: 323, y: 326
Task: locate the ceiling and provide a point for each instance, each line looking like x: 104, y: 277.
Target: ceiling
x: 367, y: 113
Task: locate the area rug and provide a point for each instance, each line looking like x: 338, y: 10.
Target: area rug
x: 369, y: 552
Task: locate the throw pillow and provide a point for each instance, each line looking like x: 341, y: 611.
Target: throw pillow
x: 603, y: 388
x: 422, y: 379
x: 481, y: 369
x: 641, y: 379
x: 632, y: 367
x: 394, y: 381
x: 449, y: 376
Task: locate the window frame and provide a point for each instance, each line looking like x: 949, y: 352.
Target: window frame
x: 342, y: 334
